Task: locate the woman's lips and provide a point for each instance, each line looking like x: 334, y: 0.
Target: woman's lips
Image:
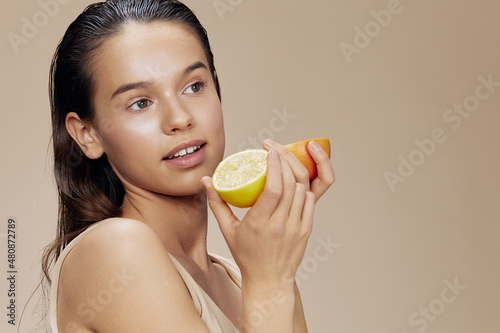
x: 184, y: 145
x: 186, y: 159
x: 183, y: 152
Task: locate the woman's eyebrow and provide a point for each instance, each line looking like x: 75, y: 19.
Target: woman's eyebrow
x: 144, y: 84
x: 130, y: 86
x: 194, y: 66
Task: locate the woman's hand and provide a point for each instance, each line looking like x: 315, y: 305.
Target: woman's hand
x: 326, y: 176
x: 269, y: 243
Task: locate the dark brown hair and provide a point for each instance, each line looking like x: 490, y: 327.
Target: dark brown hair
x: 89, y: 190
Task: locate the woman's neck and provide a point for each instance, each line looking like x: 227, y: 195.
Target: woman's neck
x: 179, y: 222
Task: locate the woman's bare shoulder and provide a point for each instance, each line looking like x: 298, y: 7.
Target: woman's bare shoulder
x: 117, y: 241
x: 113, y: 230
x: 120, y: 269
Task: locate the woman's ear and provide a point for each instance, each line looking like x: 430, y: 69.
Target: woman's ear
x: 84, y: 135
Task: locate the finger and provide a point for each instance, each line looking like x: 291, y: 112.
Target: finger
x: 222, y: 212
x: 298, y: 203
x: 299, y: 170
x: 288, y: 192
x: 326, y: 176
x: 271, y: 195
x: 308, y: 214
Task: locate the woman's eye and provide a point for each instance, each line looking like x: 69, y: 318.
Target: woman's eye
x: 194, y: 88
x: 139, y: 105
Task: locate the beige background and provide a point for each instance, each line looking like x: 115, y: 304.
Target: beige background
x: 391, y: 250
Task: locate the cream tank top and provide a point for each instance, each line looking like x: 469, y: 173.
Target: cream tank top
x: 210, y: 313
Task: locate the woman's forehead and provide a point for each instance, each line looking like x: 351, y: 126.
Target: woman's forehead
x: 166, y: 38
x: 148, y: 49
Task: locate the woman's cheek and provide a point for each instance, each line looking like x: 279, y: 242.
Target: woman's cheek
x: 216, y: 122
x: 132, y: 139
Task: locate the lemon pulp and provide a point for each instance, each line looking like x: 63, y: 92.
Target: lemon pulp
x: 240, y: 178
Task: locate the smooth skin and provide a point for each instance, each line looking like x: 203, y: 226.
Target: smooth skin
x: 119, y: 277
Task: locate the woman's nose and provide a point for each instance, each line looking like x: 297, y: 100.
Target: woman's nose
x: 177, y: 117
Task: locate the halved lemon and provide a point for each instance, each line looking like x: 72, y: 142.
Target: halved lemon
x: 240, y: 178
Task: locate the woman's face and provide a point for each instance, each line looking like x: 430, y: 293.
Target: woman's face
x: 158, y: 115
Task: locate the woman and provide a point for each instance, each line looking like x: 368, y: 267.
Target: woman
x: 137, y: 130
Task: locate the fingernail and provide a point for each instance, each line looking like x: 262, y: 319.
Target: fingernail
x: 269, y: 143
x: 205, y: 180
x: 315, y: 146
